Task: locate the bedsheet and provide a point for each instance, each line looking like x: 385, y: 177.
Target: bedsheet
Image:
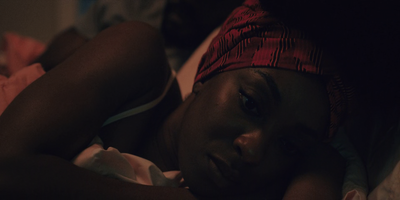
x: 126, y: 167
x: 17, y: 52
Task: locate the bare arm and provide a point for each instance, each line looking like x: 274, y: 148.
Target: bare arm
x: 60, y: 48
x: 57, y: 116
x: 64, y: 109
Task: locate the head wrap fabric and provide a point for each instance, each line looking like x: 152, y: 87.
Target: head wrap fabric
x: 252, y: 37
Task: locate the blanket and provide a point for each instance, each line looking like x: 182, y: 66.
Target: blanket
x: 17, y: 52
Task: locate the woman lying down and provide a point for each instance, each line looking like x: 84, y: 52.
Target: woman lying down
x: 264, y: 103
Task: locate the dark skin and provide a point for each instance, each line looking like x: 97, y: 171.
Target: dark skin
x: 60, y: 48
x: 235, y: 119
x: 63, y: 110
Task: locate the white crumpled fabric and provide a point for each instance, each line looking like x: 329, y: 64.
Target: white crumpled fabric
x: 126, y: 167
x: 355, y: 179
x: 389, y: 188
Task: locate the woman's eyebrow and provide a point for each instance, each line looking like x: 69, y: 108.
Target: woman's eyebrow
x: 271, y: 84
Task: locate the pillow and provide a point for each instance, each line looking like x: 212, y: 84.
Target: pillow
x: 186, y: 74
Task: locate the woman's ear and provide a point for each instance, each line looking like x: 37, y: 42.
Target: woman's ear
x: 197, y: 87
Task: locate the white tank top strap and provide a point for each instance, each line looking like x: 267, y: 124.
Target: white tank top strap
x: 144, y: 107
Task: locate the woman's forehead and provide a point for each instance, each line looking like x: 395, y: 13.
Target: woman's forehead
x: 281, y: 77
x: 290, y: 87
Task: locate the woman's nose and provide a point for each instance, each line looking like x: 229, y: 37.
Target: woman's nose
x: 250, y: 147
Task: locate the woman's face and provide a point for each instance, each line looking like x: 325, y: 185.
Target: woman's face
x: 246, y: 129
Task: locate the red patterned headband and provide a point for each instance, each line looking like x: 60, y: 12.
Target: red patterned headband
x: 251, y: 37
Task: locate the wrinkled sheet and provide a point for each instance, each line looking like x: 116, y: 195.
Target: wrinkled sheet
x: 20, y: 51
x: 17, y: 52
x: 389, y: 188
x: 126, y: 167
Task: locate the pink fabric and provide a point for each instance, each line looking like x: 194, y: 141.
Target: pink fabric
x: 20, y: 51
x: 389, y: 188
x: 11, y: 87
x: 17, y: 74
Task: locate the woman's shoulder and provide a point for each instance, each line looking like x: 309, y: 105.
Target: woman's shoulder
x: 123, y: 63
x: 131, y: 48
x: 126, y: 60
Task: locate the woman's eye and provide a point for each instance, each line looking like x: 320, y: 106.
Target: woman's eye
x: 288, y: 146
x: 248, y: 103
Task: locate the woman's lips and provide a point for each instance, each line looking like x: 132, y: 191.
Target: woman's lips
x: 223, y: 170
